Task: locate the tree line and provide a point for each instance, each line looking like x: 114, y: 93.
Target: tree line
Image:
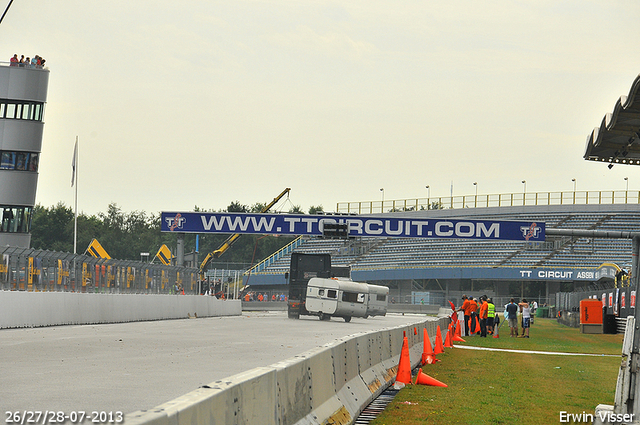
x: 125, y: 235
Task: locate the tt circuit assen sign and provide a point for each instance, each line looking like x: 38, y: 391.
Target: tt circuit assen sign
x: 359, y: 226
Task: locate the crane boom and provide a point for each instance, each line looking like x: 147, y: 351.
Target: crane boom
x: 5, y: 11
x: 233, y: 238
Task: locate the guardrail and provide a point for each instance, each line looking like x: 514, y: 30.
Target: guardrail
x: 23, y: 65
x: 492, y: 200
x: 331, y: 384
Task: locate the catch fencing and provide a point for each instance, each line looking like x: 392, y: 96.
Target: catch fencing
x: 33, y: 270
x: 620, y: 301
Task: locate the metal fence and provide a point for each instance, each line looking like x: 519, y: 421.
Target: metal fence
x: 608, y: 197
x: 26, y: 269
x: 620, y: 301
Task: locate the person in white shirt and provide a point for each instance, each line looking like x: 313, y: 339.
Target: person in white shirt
x: 534, y: 307
x: 526, y: 318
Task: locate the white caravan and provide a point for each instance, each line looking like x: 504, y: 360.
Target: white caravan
x: 343, y: 298
x: 378, y: 300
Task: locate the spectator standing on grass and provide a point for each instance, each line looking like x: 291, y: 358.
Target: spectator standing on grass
x: 466, y: 308
x: 474, y: 316
x: 496, y: 324
x: 484, y: 314
x: 491, y: 314
x: 534, y: 307
x: 526, y: 318
x: 512, y: 312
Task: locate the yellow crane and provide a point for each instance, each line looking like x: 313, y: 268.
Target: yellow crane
x: 231, y: 239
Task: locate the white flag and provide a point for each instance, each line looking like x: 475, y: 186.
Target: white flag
x: 74, y: 162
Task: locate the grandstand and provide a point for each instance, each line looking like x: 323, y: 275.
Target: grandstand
x: 454, y: 266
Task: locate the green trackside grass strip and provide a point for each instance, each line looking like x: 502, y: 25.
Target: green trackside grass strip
x: 490, y: 387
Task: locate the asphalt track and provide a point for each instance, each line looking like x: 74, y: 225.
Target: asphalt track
x: 135, y: 366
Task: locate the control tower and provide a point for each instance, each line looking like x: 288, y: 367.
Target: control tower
x: 23, y: 94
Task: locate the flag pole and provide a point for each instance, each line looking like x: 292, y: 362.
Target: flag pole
x: 74, y: 179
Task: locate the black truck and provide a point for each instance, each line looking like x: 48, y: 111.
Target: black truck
x: 304, y: 267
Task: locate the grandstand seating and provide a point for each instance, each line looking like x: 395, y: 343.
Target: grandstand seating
x: 398, y: 253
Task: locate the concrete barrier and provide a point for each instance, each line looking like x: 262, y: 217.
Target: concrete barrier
x: 246, y: 398
x: 330, y: 384
x: 306, y: 387
x: 32, y: 309
x: 391, y: 308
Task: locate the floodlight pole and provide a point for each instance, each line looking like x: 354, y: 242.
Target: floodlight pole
x: 180, y: 250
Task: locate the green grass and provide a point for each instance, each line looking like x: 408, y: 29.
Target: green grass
x: 548, y: 335
x: 492, y: 387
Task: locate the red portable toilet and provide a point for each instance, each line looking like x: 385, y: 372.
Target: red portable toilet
x: 591, y: 316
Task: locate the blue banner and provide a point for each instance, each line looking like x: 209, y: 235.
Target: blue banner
x: 359, y: 226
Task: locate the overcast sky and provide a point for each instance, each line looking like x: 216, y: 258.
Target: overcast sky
x: 178, y: 104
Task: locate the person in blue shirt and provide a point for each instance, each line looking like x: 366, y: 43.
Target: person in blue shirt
x: 512, y: 311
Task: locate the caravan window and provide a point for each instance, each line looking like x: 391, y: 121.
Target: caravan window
x: 321, y: 292
x: 381, y: 297
x: 353, y: 297
x: 332, y: 293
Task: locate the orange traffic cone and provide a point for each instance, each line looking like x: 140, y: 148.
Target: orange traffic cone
x: 457, y: 336
x: 477, y: 329
x: 424, y: 379
x: 415, y: 330
x: 447, y: 339
x: 495, y: 331
x: 427, y: 354
x: 404, y: 366
x: 438, y: 348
